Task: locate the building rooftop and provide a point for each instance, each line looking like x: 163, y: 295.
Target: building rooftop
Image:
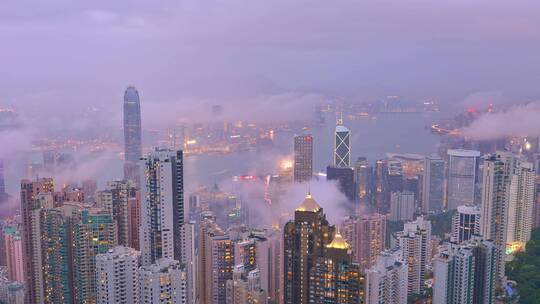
x: 338, y: 242
x: 309, y: 204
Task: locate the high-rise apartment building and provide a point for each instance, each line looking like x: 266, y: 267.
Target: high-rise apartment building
x: 14, y: 254
x: 116, y: 200
x: 117, y: 276
x: 30, y: 233
x: 245, y: 287
x: 162, y: 206
x: 163, y: 282
x: 94, y: 232
x: 462, y: 177
x: 132, y: 134
x: 366, y: 235
x: 493, y: 219
x: 303, y: 158
x: 413, y: 242
x: 465, y: 273
x: 433, y: 185
x: 521, y: 205
x: 386, y: 280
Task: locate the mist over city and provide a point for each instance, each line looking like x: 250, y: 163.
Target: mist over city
x: 270, y: 152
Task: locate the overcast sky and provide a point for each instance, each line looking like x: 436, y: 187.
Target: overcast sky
x: 64, y: 54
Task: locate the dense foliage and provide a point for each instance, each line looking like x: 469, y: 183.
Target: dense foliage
x: 441, y: 223
x: 525, y: 270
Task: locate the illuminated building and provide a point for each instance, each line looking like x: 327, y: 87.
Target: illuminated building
x: 465, y: 223
x: 14, y: 254
x: 30, y: 234
x: 521, y: 205
x: 386, y: 280
x: 275, y: 266
x: 115, y: 199
x: 245, y: 287
x: 342, y: 146
x: 366, y: 235
x: 163, y: 282
x: 363, y: 178
x: 433, y: 185
x: 465, y: 273
x: 162, y: 206
x: 333, y: 277
x: 216, y: 262
x: 305, y: 239
x: 462, y: 177
x: 117, y: 276
x: 413, y: 242
x: 134, y: 220
x: 303, y: 158
x: 499, y: 190
x: 94, y: 232
x: 345, y: 178
x: 381, y: 205
x: 56, y: 254
x: 132, y: 134
x: 402, y: 206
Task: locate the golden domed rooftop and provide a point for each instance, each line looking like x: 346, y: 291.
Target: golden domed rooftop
x: 338, y: 242
x: 309, y: 204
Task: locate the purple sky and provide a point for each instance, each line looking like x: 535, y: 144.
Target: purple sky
x: 61, y: 54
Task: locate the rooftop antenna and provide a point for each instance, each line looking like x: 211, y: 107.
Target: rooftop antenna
x: 339, y: 120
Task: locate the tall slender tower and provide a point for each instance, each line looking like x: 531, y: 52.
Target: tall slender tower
x: 30, y: 206
x: 303, y: 158
x: 462, y: 177
x: 305, y: 239
x: 132, y: 134
x: 498, y: 171
x: 342, y: 145
x: 433, y: 185
x: 162, y: 206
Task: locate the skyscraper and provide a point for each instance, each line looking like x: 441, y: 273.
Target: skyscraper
x: 30, y: 236
x: 117, y: 276
x: 245, y: 287
x: 402, y: 206
x: 366, y: 235
x: 162, y: 206
x: 334, y: 278
x: 342, y: 146
x: 499, y: 173
x: 115, y: 199
x: 386, y: 280
x: 14, y: 254
x: 305, y: 239
x: 363, y: 178
x: 465, y: 223
x: 303, y: 158
x: 520, y: 207
x: 345, y: 178
x: 462, y: 177
x: 3, y: 194
x: 94, y: 232
x: 465, y: 273
x: 132, y: 134
x: 413, y: 242
x: 433, y: 185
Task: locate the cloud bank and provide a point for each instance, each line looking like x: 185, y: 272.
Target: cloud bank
x: 520, y: 120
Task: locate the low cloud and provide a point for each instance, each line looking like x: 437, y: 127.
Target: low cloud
x: 521, y: 120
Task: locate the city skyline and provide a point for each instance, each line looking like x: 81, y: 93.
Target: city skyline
x: 203, y: 152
